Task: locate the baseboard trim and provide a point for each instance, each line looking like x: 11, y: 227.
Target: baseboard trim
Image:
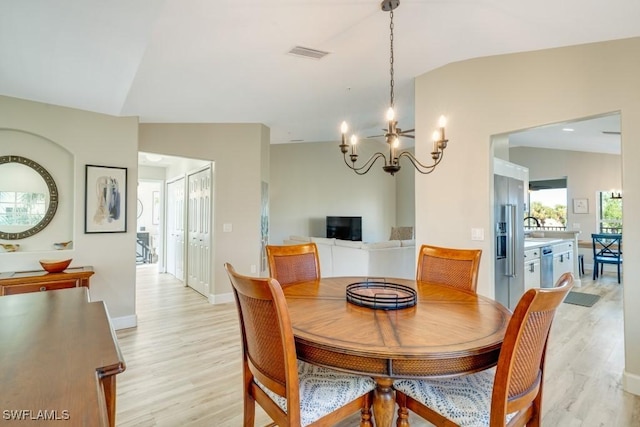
x: 631, y: 383
x: 221, y: 298
x: 124, y: 322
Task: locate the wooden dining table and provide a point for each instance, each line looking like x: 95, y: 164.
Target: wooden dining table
x: 448, y: 332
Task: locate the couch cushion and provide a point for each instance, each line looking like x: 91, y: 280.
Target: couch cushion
x: 300, y: 238
x: 324, y: 240
x: 349, y: 243
x: 382, y: 245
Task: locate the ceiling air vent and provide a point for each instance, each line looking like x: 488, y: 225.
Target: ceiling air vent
x: 308, y: 52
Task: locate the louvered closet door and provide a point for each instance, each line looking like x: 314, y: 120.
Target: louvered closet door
x: 199, y: 231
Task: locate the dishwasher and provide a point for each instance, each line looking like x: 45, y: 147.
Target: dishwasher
x: 546, y: 267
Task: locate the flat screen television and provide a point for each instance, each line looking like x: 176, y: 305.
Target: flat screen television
x: 344, y: 227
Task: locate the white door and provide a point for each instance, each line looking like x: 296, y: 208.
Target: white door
x: 175, y: 228
x: 199, y: 231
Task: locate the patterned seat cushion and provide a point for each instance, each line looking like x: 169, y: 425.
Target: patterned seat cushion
x: 465, y: 400
x: 322, y: 391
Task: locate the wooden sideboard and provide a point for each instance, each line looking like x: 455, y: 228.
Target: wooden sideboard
x: 20, y: 282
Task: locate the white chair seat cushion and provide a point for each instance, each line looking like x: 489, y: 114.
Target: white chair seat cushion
x: 465, y: 400
x: 322, y: 391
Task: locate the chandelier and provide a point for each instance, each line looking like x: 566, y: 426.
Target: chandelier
x: 393, y: 132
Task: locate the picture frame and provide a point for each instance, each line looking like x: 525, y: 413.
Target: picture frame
x: 105, y: 201
x: 580, y: 206
x: 155, y: 207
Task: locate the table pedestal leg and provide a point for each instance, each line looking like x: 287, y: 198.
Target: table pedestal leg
x: 384, y: 402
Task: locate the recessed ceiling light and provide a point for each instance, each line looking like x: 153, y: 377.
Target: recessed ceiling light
x: 568, y: 129
x: 153, y: 157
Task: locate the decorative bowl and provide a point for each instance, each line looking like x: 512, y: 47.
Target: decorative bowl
x: 55, y: 265
x: 63, y: 245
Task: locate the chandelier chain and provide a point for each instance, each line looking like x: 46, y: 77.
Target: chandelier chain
x: 391, y: 94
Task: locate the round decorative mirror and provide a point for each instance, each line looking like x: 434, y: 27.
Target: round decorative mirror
x: 28, y: 197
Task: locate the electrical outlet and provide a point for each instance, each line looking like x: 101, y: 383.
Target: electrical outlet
x: 576, y: 226
x: 254, y: 269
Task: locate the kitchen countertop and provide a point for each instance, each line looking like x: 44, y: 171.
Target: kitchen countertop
x: 537, y: 242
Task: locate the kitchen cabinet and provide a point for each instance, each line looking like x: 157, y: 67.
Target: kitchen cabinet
x: 562, y: 259
x: 531, y: 268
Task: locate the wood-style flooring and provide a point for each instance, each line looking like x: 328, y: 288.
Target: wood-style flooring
x: 183, y: 361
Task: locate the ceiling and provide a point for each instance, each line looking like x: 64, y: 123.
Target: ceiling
x: 227, y: 61
x: 594, y: 134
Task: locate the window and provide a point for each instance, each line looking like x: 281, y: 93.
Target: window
x: 24, y: 209
x: 610, y: 212
x: 548, y: 203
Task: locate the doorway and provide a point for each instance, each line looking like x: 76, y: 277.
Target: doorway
x: 185, y: 217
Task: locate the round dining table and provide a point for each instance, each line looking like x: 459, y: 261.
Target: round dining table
x: 448, y: 332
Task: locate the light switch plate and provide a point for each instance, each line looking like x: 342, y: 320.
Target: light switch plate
x: 477, y: 234
x: 227, y: 227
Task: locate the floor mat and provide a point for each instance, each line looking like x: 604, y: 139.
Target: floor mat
x: 578, y: 298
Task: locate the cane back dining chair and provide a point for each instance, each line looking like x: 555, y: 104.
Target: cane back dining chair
x: 607, y: 249
x: 509, y: 394
x: 293, y: 263
x: 293, y: 393
x: 449, y: 266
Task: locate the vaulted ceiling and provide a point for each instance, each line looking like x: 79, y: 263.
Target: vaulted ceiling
x: 227, y: 60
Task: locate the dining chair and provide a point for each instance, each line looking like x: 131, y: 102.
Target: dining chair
x: 293, y: 263
x: 449, y: 266
x: 607, y: 249
x: 292, y: 392
x: 509, y: 394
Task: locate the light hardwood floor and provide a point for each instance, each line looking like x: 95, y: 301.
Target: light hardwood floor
x: 183, y: 361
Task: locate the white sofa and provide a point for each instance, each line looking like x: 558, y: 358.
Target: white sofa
x: 392, y: 258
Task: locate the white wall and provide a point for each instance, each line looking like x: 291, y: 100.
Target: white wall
x: 238, y: 151
x: 496, y: 95
x: 92, y: 139
x: 310, y: 181
x: 58, y: 162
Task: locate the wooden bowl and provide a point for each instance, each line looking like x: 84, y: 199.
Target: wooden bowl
x: 55, y: 265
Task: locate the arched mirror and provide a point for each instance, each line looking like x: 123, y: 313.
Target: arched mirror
x: 28, y: 197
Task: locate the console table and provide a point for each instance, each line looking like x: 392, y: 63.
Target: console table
x: 19, y: 282
x: 59, y: 360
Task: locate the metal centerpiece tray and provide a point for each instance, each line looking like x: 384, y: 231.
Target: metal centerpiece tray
x: 381, y: 294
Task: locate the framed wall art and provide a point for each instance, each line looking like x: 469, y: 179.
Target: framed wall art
x: 580, y: 206
x: 155, y: 207
x: 105, y: 202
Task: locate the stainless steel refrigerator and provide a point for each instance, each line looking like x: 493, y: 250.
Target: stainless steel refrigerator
x: 509, y: 233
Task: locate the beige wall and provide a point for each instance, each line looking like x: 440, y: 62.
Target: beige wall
x: 95, y: 139
x: 310, y: 181
x: 238, y: 152
x: 587, y: 174
x: 500, y: 94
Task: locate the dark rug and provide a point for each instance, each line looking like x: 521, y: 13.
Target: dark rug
x: 578, y: 298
